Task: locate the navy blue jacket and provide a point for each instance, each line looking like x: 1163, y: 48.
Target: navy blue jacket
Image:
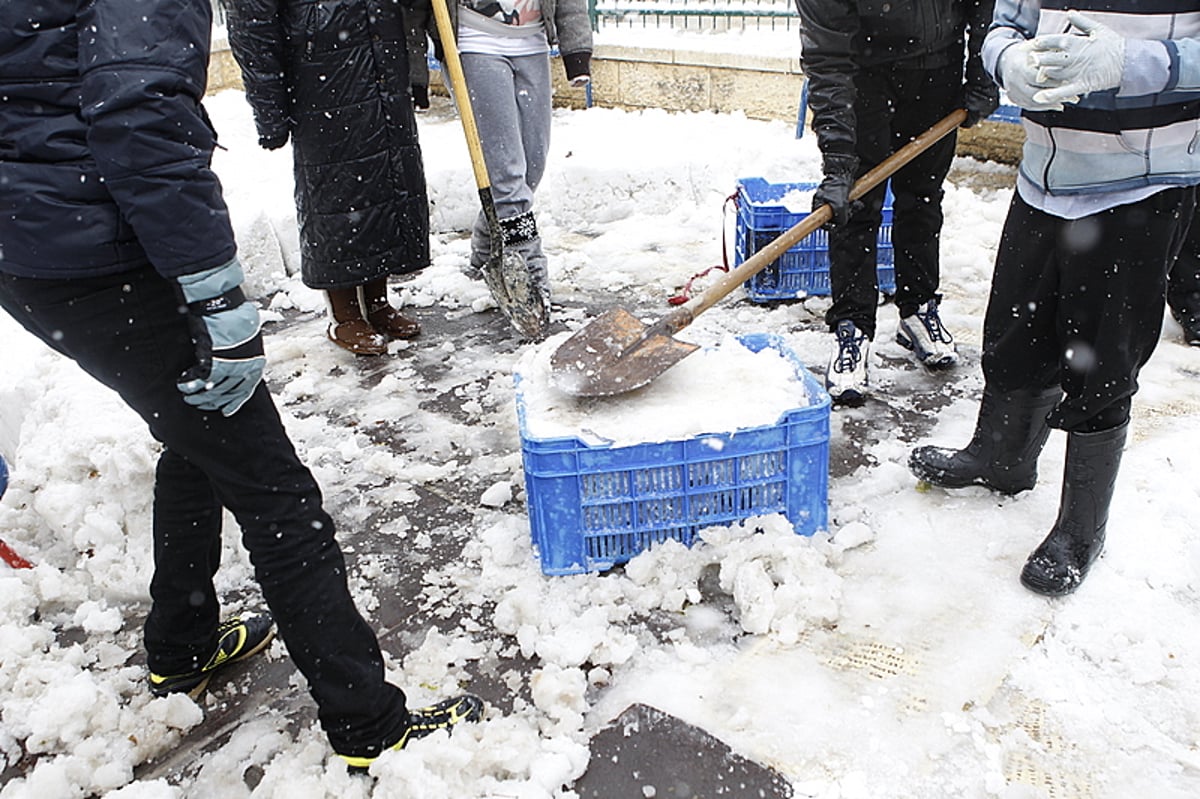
x: 105, y: 149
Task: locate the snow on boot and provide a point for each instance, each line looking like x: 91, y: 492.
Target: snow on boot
x: 1058, y: 566
x: 924, y: 334
x: 349, y: 328
x: 1002, y: 454
x: 382, y: 316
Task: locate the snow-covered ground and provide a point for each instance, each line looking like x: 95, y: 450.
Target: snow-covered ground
x: 895, y: 655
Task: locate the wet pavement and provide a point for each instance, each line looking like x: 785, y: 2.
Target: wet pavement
x: 444, y: 510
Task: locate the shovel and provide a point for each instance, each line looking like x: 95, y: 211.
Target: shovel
x: 505, y: 273
x: 616, y: 352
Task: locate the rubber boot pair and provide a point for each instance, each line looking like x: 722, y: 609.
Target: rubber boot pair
x: 1002, y: 455
x: 363, y: 321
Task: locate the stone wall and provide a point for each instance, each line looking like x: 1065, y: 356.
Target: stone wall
x: 761, y: 87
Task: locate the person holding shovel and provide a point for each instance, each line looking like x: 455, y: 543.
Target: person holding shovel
x: 118, y: 253
x: 505, y: 52
x: 334, y: 78
x: 879, y: 75
x: 1105, y: 192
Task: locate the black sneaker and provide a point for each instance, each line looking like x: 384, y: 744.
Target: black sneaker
x: 237, y: 639
x: 425, y: 721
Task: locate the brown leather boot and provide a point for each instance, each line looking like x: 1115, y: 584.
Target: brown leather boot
x: 382, y: 316
x: 348, y: 329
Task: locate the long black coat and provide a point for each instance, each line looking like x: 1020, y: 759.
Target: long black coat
x: 333, y: 74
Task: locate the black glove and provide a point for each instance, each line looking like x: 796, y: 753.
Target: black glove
x: 834, y: 190
x: 982, y: 98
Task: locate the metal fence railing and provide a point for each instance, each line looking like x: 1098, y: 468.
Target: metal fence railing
x: 688, y: 15
x: 695, y: 15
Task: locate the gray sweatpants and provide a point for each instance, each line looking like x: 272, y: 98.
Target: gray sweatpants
x: 513, y: 101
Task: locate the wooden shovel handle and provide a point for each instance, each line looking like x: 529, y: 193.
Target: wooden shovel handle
x: 684, y: 314
x: 462, y: 98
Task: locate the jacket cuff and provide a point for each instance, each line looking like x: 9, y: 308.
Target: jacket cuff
x: 577, y: 64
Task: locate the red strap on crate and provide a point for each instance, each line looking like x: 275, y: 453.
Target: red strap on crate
x: 686, y: 294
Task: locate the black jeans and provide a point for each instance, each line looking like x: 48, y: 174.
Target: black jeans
x: 1183, y: 285
x: 127, y: 331
x: 1079, y: 303
x: 893, y: 107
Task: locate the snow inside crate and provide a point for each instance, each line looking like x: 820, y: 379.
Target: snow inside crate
x: 730, y: 432
x: 766, y: 210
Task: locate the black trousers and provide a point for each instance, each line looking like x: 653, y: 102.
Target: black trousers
x: 127, y: 332
x: 893, y: 107
x: 1183, y: 286
x: 1079, y: 303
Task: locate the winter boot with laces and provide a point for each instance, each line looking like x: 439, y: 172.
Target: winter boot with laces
x: 846, y: 377
x: 1058, y: 566
x: 1002, y: 455
x: 349, y: 328
x: 424, y: 721
x: 237, y: 639
x: 924, y: 334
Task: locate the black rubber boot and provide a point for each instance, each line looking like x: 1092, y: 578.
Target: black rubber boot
x: 1058, y: 566
x: 1009, y: 436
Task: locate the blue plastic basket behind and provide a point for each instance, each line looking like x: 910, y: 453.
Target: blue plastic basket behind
x: 803, y: 270
x: 594, y: 506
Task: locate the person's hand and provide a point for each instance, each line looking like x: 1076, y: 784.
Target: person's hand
x: 834, y: 190
x: 1076, y: 65
x: 982, y: 98
x: 579, y: 81
x: 274, y: 141
x: 1023, y: 81
x: 226, y: 332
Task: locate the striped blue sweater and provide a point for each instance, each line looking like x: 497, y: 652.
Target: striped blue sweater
x: 1144, y: 133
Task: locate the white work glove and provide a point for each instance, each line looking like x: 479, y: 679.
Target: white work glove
x: 1075, y: 65
x: 1022, y: 80
x: 579, y: 81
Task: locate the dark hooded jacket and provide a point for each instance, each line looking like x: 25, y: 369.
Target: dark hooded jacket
x: 333, y: 75
x: 104, y: 146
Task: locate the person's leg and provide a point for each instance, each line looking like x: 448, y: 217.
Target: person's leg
x: 925, y: 97
x: 1112, y: 277
x: 498, y: 118
x: 127, y: 332
x: 1020, y: 365
x: 853, y: 246
x: 184, y: 612
x: 1183, y: 286
x: 535, y: 93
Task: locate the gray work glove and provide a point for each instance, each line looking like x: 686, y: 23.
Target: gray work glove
x: 1074, y: 65
x: 1022, y: 79
x: 226, y: 332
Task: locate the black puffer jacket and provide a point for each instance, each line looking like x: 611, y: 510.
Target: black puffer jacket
x: 333, y: 74
x: 840, y: 37
x: 104, y: 146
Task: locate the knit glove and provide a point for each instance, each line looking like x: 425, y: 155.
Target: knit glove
x: 225, y: 329
x: 1075, y: 65
x: 834, y: 190
x: 1022, y: 80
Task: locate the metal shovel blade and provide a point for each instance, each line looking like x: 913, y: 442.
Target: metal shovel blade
x: 612, y: 354
x: 512, y: 287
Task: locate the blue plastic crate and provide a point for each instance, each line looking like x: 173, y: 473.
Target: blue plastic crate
x: 803, y: 270
x: 592, y: 507
x: 1006, y: 113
